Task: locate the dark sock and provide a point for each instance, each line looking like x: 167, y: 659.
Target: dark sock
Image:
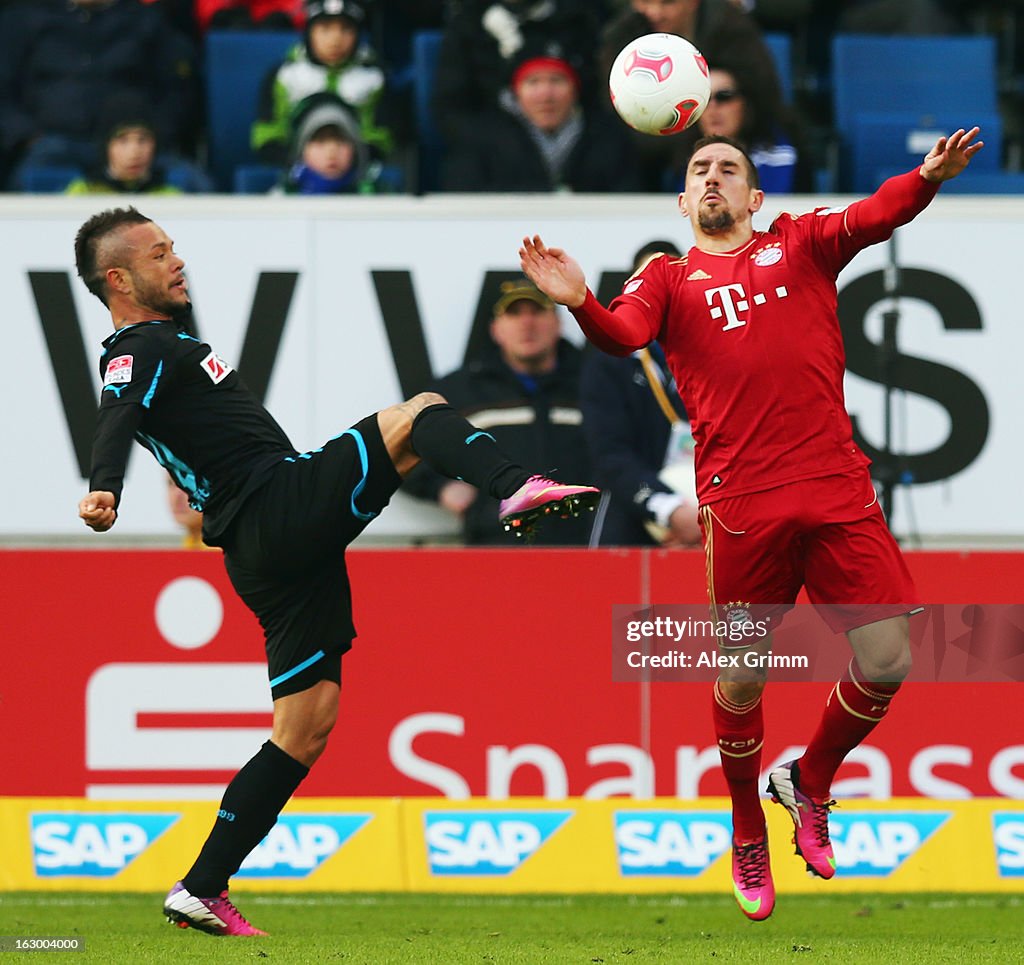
x: 249, y: 809
x: 454, y: 447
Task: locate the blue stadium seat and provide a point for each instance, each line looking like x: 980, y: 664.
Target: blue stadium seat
x: 236, y: 63
x: 900, y: 141
x: 781, y: 47
x: 48, y: 178
x: 923, y: 83
x: 426, y: 45
x: 255, y: 178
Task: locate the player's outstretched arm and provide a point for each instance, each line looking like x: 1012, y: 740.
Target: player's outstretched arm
x: 553, y: 272
x: 97, y: 509
x: 951, y: 155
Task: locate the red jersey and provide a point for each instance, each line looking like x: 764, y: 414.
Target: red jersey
x: 753, y: 340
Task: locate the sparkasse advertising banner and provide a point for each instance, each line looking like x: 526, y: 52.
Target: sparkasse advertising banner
x: 334, y: 308
x: 493, y: 678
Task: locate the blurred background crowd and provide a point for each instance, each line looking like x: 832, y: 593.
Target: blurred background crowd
x: 418, y: 96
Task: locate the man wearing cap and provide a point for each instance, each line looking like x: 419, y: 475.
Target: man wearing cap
x: 523, y: 389
x: 330, y: 59
x: 540, y: 138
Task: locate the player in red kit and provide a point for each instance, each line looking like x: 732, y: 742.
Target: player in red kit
x: 748, y: 323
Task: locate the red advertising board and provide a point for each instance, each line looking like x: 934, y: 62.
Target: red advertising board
x: 483, y: 672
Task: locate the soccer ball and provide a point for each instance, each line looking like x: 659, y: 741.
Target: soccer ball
x: 659, y: 84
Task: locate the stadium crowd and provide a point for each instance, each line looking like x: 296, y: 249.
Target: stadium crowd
x: 423, y: 95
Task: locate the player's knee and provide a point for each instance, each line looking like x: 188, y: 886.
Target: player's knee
x: 887, y: 668
x: 424, y: 400
x: 741, y: 691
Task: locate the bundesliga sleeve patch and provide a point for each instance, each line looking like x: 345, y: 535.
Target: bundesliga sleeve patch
x: 216, y: 368
x: 119, y: 370
x: 632, y: 285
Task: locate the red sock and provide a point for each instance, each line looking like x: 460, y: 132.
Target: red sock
x: 853, y: 710
x: 740, y: 732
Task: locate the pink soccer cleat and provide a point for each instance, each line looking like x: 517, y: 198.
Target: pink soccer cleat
x: 810, y: 819
x: 215, y: 916
x: 540, y: 496
x: 752, y: 883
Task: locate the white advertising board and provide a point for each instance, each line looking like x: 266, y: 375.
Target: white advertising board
x: 338, y: 354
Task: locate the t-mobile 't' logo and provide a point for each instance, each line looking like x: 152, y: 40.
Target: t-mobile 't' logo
x: 732, y: 300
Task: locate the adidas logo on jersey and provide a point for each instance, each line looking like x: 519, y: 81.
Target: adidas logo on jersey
x: 698, y: 275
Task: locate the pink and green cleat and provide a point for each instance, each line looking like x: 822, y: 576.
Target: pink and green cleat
x: 752, y: 883
x: 810, y: 819
x: 215, y: 916
x: 539, y: 497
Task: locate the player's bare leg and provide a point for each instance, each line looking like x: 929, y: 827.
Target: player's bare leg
x: 426, y: 427
x: 856, y: 705
x: 739, y: 728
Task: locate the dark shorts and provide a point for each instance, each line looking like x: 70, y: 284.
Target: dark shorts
x: 826, y: 534
x: 285, y: 552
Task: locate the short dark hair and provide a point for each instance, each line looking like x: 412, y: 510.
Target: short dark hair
x: 87, y: 243
x: 752, y: 178
x: 660, y: 247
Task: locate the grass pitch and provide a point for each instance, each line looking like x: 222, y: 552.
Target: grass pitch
x: 447, y: 929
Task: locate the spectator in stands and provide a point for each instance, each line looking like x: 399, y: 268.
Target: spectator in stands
x: 484, y: 38
x: 329, y: 59
x: 126, y: 156
x: 768, y: 131
x: 328, y: 155
x: 540, y: 138
x: 60, y: 62
x: 524, y: 392
x: 719, y: 29
x: 901, y: 17
x: 640, y: 444
x: 784, y: 15
x: 249, y: 14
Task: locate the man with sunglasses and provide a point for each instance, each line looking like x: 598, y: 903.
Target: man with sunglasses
x: 749, y: 327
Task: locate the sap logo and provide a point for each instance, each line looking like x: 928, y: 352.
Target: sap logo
x: 486, y: 842
x: 873, y: 844
x: 1008, y: 831
x: 299, y: 843
x: 92, y: 845
x: 670, y: 843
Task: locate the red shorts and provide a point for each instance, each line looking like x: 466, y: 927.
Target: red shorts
x: 826, y: 534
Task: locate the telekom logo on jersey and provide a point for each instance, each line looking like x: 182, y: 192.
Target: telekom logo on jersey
x: 730, y: 300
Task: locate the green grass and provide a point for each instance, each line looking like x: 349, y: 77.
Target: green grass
x: 851, y: 929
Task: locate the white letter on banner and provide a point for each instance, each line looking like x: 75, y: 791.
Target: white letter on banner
x: 118, y: 692
x: 691, y: 766
x: 450, y: 783
x: 1000, y: 772
x: 503, y: 762
x: 926, y: 783
x: 639, y: 782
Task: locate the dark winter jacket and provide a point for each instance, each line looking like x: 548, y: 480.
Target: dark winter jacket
x: 628, y: 436
x: 59, y: 64
x: 501, y: 155
x: 474, y: 67
x: 541, y: 430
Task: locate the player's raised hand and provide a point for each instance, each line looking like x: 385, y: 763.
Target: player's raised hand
x: 97, y: 509
x: 950, y: 155
x: 553, y: 272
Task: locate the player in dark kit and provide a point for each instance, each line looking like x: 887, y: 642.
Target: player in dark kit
x: 748, y: 323
x: 283, y: 518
